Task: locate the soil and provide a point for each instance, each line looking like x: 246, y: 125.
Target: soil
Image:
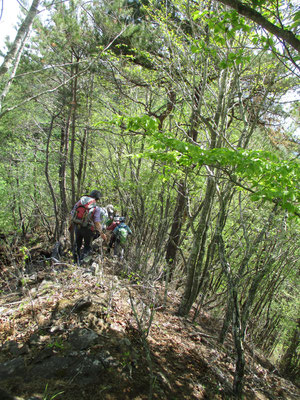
x: 99, y: 331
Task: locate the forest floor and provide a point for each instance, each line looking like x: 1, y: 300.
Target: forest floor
x: 80, y: 333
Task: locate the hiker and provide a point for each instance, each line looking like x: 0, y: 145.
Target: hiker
x: 114, y: 223
x: 110, y: 214
x: 87, y: 217
x: 111, y: 228
x: 121, y: 233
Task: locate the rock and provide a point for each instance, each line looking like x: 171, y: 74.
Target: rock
x: 118, y: 328
x: 107, y: 359
x: 85, y: 369
x: 12, y: 368
x: 52, y: 367
x: 19, y: 350
x: 89, y: 370
x: 42, y: 355
x: 126, y: 342
x: 9, y: 345
x: 81, y: 339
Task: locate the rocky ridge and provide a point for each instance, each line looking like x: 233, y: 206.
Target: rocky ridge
x: 101, y: 331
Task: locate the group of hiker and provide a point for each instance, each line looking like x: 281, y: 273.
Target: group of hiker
x: 90, y: 221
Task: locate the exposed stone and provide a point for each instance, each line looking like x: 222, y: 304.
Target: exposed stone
x: 86, y: 369
x: 42, y: 355
x: 15, y: 367
x: 81, y: 339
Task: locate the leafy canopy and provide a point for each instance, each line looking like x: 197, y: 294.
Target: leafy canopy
x: 259, y: 172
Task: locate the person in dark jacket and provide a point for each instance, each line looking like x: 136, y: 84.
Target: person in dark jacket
x: 89, y: 227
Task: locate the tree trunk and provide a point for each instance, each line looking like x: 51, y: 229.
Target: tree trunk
x: 236, y: 325
x: 84, y: 141
x: 9, y: 82
x: 197, y: 253
x: 21, y: 35
x: 56, y: 230
x: 175, y: 233
x: 64, y: 148
x: 74, y: 73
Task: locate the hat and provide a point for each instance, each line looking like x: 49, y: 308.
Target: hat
x: 95, y: 194
x: 110, y: 207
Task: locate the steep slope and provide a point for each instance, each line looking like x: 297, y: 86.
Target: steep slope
x: 100, y: 331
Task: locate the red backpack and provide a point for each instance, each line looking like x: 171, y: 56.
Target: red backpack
x: 84, y: 212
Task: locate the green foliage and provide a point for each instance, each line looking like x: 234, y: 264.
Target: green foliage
x: 58, y: 344
x: 260, y: 172
x: 25, y: 253
x: 226, y: 22
x: 130, y: 58
x: 296, y: 20
x: 5, y: 216
x: 48, y: 396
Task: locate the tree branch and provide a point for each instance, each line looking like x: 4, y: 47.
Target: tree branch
x: 248, y: 12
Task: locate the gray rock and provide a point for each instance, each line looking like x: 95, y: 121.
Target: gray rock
x: 42, y: 355
x: 81, y: 339
x: 107, y: 360
x: 85, y: 369
x: 52, y: 367
x: 15, y: 367
x: 15, y: 348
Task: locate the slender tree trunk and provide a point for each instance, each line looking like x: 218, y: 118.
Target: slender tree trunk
x: 74, y: 73
x: 179, y: 212
x: 64, y: 148
x: 175, y: 232
x: 82, y: 162
x: 161, y: 233
x: 238, y: 336
x: 249, y: 253
x: 197, y: 253
x: 21, y: 35
x: 21, y: 216
x: 9, y: 82
x: 56, y: 230
x: 236, y: 321
x: 84, y: 141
